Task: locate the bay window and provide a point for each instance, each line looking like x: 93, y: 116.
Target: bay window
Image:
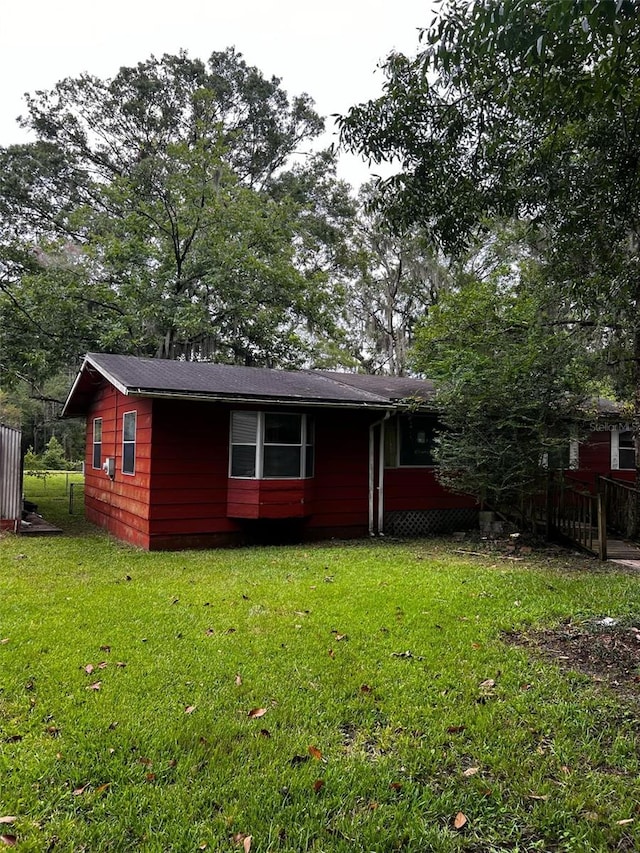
x: 271, y: 445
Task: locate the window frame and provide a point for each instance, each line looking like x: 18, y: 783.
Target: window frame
x: 96, y: 445
x: 306, y: 446
x: 393, y: 442
x: 129, y: 442
x: 618, y: 448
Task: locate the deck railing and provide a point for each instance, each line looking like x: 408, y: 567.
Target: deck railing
x: 577, y: 514
x: 622, y: 504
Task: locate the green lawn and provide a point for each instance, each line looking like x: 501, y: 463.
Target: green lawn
x: 365, y: 664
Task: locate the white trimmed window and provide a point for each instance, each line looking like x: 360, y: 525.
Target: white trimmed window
x: 623, y: 450
x: 96, y: 459
x: 271, y: 445
x: 129, y: 443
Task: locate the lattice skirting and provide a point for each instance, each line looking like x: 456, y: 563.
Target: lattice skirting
x: 428, y: 522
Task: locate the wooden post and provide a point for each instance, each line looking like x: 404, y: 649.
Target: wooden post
x: 547, y: 508
x: 602, y: 521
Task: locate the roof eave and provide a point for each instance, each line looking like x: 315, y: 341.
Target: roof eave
x: 267, y: 400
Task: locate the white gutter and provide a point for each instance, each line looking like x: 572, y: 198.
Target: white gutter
x: 372, y: 466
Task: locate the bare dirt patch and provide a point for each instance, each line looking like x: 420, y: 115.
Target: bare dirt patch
x: 605, y: 649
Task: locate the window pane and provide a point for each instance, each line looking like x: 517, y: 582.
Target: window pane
x: 128, y: 458
x: 129, y: 426
x: 417, y: 434
x: 282, y: 429
x: 243, y: 460
x: 97, y: 430
x: 627, y: 451
x: 97, y: 455
x: 627, y: 459
x: 244, y: 426
x: 281, y: 461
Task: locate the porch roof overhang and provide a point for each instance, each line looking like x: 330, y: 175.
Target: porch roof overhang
x: 206, y: 381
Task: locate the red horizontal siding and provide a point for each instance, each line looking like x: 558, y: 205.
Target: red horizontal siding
x: 120, y: 505
x: 269, y: 498
x: 418, y: 489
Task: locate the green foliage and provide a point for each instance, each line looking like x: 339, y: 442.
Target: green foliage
x: 399, y: 276
x: 373, y: 654
x: 153, y: 216
x: 526, y: 110
x: 31, y: 461
x: 53, y: 457
x: 510, y: 383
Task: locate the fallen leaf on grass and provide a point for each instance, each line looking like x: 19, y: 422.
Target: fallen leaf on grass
x: 487, y: 684
x: 471, y: 771
x: 103, y: 664
x: 538, y: 796
x: 103, y: 788
x: 406, y: 654
x: 105, y: 648
x: 625, y: 821
x: 318, y: 785
x: 9, y: 840
x: 209, y: 632
x: 314, y: 752
x: 366, y: 689
x: 13, y: 739
x: 95, y: 686
x: 79, y: 791
x: 255, y: 713
x: 150, y: 777
x: 238, y: 680
x: 396, y: 786
x: 298, y: 759
x: 89, y: 668
x: 120, y: 664
x: 8, y: 819
x: 460, y: 820
x: 265, y: 733
x: 189, y: 709
x: 246, y: 844
x: 4, y: 641
x: 332, y: 654
x: 454, y: 730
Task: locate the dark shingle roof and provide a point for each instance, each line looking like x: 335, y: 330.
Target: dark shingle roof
x: 204, y: 380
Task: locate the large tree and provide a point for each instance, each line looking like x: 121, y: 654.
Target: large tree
x: 150, y: 217
x: 530, y: 110
x: 510, y: 380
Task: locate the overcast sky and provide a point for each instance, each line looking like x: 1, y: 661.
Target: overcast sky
x: 329, y: 50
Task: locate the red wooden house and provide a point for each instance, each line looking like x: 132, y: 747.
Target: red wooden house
x: 191, y: 454
x: 608, y: 449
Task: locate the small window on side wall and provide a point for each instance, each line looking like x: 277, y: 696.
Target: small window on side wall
x: 96, y: 461
x: 626, y: 451
x: 129, y: 443
x: 417, y: 436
